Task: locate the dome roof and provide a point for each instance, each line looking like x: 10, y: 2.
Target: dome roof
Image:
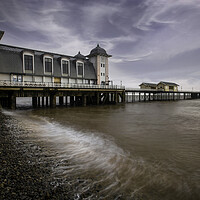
x: 98, y: 51
x: 79, y: 56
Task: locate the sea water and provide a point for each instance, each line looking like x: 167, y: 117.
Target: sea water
x: 130, y: 151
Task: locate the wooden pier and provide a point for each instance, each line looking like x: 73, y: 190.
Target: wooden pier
x: 46, y: 94
x: 133, y: 95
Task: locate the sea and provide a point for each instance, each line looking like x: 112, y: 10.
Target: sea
x: 140, y: 150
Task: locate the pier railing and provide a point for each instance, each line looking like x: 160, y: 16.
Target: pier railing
x: 57, y: 85
x: 159, y: 90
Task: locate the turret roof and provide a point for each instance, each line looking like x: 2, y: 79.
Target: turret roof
x: 98, y: 51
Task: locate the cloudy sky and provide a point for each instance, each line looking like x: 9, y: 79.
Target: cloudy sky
x: 150, y: 40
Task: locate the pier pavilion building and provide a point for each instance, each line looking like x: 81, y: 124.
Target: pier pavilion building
x: 19, y: 64
x: 162, y: 85
x: 148, y: 85
x: 167, y: 86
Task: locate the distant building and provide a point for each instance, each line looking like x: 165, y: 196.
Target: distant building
x: 28, y: 65
x: 167, y: 86
x: 148, y: 85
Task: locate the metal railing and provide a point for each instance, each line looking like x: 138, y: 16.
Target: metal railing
x: 140, y: 90
x: 6, y: 83
x: 159, y: 90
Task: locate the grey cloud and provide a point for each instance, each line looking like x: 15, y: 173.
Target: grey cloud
x: 149, y: 39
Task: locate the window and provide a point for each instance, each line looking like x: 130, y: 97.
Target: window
x: 80, y: 69
x: 65, y: 66
x: 16, y: 78
x: 28, y: 62
x: 48, y: 65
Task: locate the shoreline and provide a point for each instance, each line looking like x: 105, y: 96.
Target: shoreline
x: 24, y: 172
x: 27, y: 168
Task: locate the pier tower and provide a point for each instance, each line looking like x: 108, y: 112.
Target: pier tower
x: 99, y: 57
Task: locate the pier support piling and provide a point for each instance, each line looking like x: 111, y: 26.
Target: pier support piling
x: 52, y: 101
x: 38, y: 101
x: 71, y: 100
x: 42, y: 101
x: 12, y: 102
x: 61, y: 101
x: 34, y: 102
x: 47, y: 101
x: 84, y: 100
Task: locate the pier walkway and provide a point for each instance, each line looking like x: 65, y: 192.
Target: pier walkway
x: 46, y: 94
x: 136, y: 94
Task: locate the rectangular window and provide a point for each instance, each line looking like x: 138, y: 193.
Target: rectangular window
x: 171, y: 87
x: 17, y: 78
x: 48, y: 65
x: 80, y: 69
x: 65, y: 67
x: 28, y: 62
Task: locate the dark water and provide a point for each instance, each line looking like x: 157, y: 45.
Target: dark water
x: 133, y: 151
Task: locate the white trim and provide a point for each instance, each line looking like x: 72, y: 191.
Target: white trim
x: 28, y: 54
x: 65, y: 59
x: 51, y: 57
x: 77, y: 69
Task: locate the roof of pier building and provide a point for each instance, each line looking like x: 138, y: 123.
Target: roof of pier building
x: 11, y: 61
x: 80, y: 56
x: 148, y: 84
x: 98, y: 51
x: 168, y: 83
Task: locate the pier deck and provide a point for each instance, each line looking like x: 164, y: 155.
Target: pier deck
x: 136, y: 94
x: 44, y: 94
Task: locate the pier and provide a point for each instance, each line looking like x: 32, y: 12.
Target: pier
x: 47, y: 94
x: 134, y: 94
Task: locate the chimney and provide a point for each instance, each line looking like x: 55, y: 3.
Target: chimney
x: 1, y: 34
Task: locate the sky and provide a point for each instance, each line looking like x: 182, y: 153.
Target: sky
x: 149, y: 40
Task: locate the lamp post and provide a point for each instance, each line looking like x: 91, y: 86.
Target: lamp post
x: 1, y: 34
